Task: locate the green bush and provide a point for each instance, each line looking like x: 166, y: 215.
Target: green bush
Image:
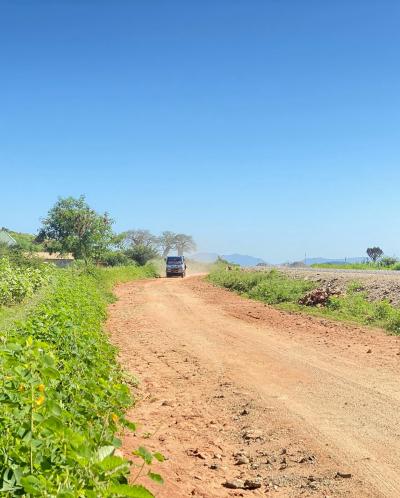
x: 62, y: 396
x: 388, y: 261
x: 141, y: 254
x: 275, y: 290
x: 18, y: 283
x: 116, y: 258
x: 271, y: 287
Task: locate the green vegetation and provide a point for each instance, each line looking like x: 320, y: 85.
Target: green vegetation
x: 277, y: 289
x: 271, y: 287
x: 20, y: 282
x: 62, y: 393
x: 25, y: 241
x: 72, y: 226
x: 381, y: 265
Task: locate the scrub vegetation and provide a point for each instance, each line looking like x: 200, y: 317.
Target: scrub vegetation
x: 63, y: 397
x: 277, y: 289
x: 395, y: 265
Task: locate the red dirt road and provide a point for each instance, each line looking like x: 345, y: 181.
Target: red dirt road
x: 231, y: 389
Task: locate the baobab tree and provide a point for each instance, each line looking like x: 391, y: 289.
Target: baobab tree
x: 184, y: 243
x: 374, y: 253
x: 166, y: 242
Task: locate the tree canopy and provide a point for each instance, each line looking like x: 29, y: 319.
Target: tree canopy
x: 73, y: 226
x: 374, y: 253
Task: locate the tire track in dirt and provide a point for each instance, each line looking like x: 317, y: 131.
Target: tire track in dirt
x: 232, y: 389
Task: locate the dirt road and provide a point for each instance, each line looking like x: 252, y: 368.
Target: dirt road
x: 236, y: 393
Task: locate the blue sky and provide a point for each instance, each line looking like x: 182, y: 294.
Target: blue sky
x: 266, y: 127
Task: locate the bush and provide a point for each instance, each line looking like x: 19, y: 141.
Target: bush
x: 276, y: 289
x: 388, y: 261
x: 271, y: 287
x: 18, y: 283
x: 62, y: 396
x: 141, y: 254
x: 116, y: 258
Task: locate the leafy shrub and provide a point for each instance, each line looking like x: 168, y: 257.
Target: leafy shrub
x: 271, y: 287
x: 62, y: 396
x: 141, y: 254
x: 388, y: 261
x: 18, y: 283
x: 277, y: 289
x: 116, y: 258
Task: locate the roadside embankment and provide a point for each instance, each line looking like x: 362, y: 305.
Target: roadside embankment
x: 367, y: 301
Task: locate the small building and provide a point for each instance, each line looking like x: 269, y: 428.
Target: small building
x: 60, y: 260
x: 6, y: 238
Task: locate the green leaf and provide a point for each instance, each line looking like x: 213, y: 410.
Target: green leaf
x: 130, y: 491
x: 31, y: 485
x: 156, y: 478
x: 53, y: 423
x: 158, y: 456
x: 128, y: 424
x: 113, y: 463
x: 104, y: 452
x: 144, y: 454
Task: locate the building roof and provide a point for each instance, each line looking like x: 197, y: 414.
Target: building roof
x: 5, y: 238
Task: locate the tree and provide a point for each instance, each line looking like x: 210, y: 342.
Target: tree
x: 73, y: 226
x: 166, y: 241
x: 139, y: 237
x: 141, y: 254
x: 374, y: 253
x: 184, y: 243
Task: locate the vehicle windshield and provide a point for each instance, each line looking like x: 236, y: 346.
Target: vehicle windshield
x: 174, y: 260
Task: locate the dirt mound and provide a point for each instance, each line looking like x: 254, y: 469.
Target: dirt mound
x: 319, y: 296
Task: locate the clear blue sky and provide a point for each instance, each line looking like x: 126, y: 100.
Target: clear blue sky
x: 266, y: 127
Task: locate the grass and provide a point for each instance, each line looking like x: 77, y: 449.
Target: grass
x: 283, y: 292
x: 356, y: 266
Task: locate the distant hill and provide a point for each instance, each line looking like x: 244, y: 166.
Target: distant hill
x: 238, y: 259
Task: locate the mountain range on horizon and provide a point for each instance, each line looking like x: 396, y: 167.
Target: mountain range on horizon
x: 247, y: 260
x: 238, y: 259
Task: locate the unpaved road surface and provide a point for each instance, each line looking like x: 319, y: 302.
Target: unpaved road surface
x: 233, y: 389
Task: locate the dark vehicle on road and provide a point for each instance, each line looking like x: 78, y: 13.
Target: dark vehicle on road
x: 176, y: 266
